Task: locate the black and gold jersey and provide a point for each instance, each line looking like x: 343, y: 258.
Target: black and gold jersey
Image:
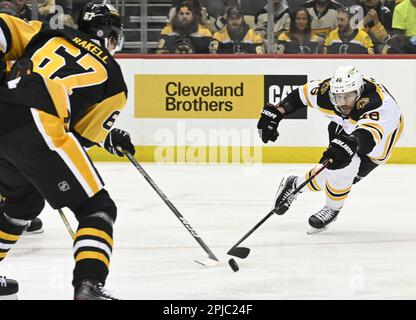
x: 172, y: 42
x: 249, y: 42
x: 83, y: 79
x: 359, y: 42
x: 289, y: 45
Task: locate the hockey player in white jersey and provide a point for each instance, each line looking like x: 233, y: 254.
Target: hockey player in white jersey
x: 366, y: 123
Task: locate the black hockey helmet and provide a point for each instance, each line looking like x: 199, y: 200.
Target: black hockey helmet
x: 102, y: 21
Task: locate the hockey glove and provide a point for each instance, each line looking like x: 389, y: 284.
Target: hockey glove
x: 341, y: 150
x: 118, y: 138
x: 268, y: 123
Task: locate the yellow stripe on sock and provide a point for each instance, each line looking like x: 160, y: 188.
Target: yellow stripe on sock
x: 96, y: 233
x: 92, y: 255
x: 8, y: 236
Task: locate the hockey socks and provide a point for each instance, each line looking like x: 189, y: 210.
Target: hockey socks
x: 93, y: 246
x: 10, y: 231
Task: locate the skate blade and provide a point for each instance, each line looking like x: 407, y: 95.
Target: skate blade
x: 9, y: 297
x: 34, y: 232
x: 315, y: 231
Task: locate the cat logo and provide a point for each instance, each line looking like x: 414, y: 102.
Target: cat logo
x: 362, y: 103
x: 324, y: 87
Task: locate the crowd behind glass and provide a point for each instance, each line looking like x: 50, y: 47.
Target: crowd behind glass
x: 314, y: 26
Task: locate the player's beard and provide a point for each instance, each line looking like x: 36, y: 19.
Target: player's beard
x: 184, y: 27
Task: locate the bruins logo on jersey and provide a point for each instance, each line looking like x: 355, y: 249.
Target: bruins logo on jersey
x: 324, y: 87
x: 362, y: 103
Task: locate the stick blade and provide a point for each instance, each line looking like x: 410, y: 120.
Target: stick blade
x: 239, y: 252
x: 208, y: 262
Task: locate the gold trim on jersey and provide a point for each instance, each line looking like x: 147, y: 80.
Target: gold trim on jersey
x: 306, y: 94
x: 379, y: 89
x: 69, y: 149
x: 327, y: 111
x: 375, y: 129
x: 91, y: 125
x: 390, y: 143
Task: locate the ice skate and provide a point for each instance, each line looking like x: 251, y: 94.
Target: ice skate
x: 284, y: 198
x: 320, y: 220
x: 91, y: 290
x: 35, y: 227
x: 8, y: 289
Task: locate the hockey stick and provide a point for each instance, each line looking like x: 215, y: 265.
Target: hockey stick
x: 212, y: 259
x: 67, y: 225
x: 243, y: 252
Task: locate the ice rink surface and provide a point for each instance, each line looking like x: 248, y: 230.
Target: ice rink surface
x: 368, y: 253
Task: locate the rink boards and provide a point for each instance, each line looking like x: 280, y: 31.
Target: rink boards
x: 206, y: 109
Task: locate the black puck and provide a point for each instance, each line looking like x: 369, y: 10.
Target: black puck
x: 233, y: 265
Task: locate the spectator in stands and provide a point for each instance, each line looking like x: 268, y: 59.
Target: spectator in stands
x: 186, y: 34
x: 44, y: 9
x: 236, y: 37
x: 400, y: 44
x: 48, y: 13
x: 404, y: 19
x: 300, y: 39
x: 345, y: 39
x: 8, y: 8
x: 324, y: 16
x: 22, y: 9
x: 281, y: 19
x: 221, y: 21
x: 377, y: 21
x: 200, y: 11
x: 66, y: 5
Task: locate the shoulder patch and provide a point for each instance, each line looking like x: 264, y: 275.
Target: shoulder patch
x: 362, y: 103
x: 324, y: 87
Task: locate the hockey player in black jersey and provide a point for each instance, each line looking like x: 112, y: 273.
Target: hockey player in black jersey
x: 366, y: 123
x: 64, y: 93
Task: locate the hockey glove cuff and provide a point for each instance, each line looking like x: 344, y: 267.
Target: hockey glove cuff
x: 341, y: 150
x: 118, y: 138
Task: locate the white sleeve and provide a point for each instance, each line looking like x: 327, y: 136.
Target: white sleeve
x: 309, y: 94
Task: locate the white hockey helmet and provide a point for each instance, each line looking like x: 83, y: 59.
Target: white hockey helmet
x: 346, y: 79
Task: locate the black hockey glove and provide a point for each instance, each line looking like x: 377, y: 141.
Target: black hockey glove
x: 118, y: 138
x: 341, y: 150
x: 268, y: 123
